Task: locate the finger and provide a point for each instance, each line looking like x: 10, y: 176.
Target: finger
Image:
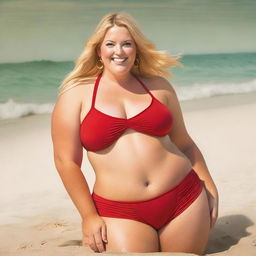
x: 104, y: 233
x: 85, y: 241
x: 99, y: 242
x: 213, y: 218
x: 93, y: 244
x: 215, y: 213
x: 212, y: 223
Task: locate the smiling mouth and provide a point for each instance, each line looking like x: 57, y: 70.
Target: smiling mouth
x: 119, y: 60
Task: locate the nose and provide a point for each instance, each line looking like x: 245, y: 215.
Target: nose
x: 118, y: 49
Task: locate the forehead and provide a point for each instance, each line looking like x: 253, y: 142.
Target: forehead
x: 117, y: 33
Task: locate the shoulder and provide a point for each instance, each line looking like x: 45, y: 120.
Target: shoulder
x: 160, y: 84
x: 75, y: 94
x: 69, y: 103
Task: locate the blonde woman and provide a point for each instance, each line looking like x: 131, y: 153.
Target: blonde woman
x: 153, y: 191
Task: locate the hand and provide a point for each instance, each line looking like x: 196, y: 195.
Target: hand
x: 94, y: 233
x: 214, y: 207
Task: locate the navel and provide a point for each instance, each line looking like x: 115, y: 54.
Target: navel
x: 146, y: 184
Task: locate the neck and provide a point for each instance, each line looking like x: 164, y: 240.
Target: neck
x: 120, y: 80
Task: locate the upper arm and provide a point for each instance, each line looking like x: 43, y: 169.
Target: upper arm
x: 65, y: 126
x: 178, y: 134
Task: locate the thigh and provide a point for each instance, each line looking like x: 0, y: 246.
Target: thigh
x: 189, y: 231
x: 125, y: 235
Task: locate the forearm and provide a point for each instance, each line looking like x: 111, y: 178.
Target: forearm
x: 199, y: 165
x: 77, y: 187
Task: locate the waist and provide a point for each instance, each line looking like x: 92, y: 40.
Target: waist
x: 191, y: 179
x: 138, y: 184
x: 131, y: 155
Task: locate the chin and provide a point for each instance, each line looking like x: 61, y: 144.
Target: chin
x: 120, y: 71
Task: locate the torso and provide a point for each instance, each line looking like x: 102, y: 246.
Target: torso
x: 137, y: 166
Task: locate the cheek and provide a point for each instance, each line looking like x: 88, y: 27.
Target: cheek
x: 130, y: 51
x: 106, y: 52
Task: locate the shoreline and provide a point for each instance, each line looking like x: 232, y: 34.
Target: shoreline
x: 217, y: 101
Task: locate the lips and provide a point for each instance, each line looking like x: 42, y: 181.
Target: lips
x: 119, y: 60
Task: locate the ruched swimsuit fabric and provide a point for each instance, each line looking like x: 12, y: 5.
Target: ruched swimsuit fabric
x: 157, y: 211
x: 99, y: 130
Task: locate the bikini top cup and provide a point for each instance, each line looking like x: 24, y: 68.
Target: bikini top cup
x: 99, y: 130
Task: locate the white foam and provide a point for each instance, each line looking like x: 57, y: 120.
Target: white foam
x: 197, y: 91
x: 12, y: 109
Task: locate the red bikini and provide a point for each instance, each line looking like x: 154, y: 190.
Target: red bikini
x: 99, y: 130
x: 156, y: 211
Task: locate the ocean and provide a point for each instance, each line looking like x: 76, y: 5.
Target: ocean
x: 41, y: 39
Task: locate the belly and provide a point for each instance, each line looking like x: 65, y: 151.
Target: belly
x: 138, y: 168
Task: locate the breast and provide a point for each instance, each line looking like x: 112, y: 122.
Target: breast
x: 99, y: 131
x: 157, y: 122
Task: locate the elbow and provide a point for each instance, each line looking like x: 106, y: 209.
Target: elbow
x: 58, y: 158
x: 60, y: 163
x: 66, y: 162
x: 189, y: 146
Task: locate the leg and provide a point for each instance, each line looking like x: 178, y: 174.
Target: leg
x: 125, y: 235
x: 189, y: 231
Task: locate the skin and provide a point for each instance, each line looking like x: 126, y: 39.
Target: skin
x: 144, y: 165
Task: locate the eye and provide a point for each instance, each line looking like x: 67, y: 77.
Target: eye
x: 109, y: 44
x: 127, y: 43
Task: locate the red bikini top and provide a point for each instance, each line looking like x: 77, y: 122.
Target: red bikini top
x: 99, y: 130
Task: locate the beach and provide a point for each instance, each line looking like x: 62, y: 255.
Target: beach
x: 38, y: 217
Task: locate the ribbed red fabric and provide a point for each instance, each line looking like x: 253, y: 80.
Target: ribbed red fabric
x: 99, y: 130
x: 157, y: 211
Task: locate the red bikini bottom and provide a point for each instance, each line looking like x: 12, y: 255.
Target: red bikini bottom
x: 156, y: 211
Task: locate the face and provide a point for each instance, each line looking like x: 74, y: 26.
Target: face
x: 118, y: 50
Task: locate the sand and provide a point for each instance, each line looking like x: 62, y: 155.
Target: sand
x: 38, y: 218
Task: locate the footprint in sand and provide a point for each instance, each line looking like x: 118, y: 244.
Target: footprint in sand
x: 71, y: 243
x: 51, y: 225
x: 30, y: 245
x: 43, y: 243
x: 25, y: 246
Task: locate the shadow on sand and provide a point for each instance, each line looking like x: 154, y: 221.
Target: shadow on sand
x: 227, y: 232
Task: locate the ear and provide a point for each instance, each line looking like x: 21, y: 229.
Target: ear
x: 98, y: 50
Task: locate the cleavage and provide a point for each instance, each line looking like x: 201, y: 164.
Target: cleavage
x: 112, y: 109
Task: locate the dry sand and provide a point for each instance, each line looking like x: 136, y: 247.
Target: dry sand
x: 38, y: 218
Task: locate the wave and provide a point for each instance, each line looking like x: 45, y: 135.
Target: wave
x: 11, y: 109
x: 206, y: 90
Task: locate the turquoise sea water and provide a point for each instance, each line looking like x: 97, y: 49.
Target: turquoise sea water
x: 41, y: 39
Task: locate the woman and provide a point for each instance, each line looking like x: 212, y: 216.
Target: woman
x: 153, y: 191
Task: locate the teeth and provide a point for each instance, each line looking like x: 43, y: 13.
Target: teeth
x: 116, y: 59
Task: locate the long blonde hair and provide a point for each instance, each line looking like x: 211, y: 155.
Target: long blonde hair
x: 151, y: 61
